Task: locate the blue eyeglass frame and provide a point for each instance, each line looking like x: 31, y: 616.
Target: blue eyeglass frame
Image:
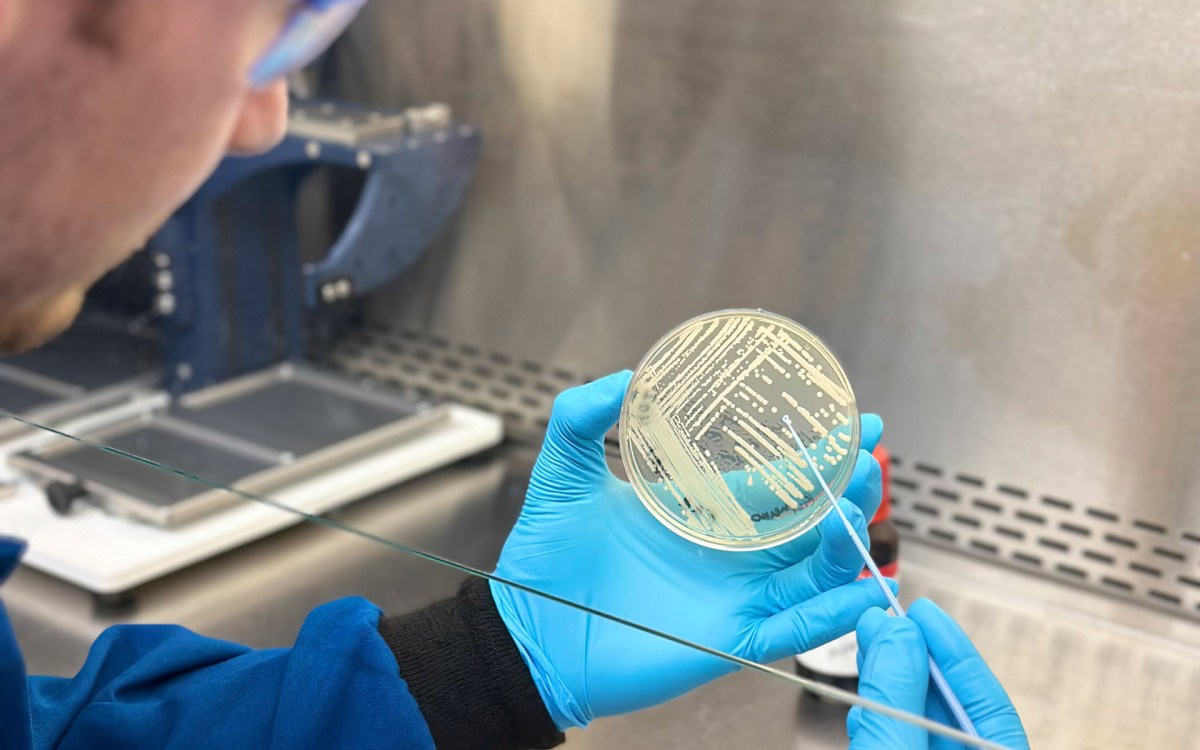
x: 311, y: 28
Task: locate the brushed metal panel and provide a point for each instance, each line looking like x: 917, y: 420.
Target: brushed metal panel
x: 987, y: 209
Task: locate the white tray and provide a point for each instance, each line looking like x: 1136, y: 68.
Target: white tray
x: 108, y: 554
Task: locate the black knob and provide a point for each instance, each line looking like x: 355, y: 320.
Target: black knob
x: 62, y: 495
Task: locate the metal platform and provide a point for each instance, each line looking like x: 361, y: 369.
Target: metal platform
x: 257, y: 434
x: 303, y: 440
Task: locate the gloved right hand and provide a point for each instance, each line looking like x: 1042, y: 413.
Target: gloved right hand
x: 583, y: 535
x: 894, y: 669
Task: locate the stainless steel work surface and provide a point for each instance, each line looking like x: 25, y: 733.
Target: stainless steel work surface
x: 1084, y: 670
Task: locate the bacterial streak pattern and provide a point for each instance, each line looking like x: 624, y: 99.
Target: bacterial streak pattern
x: 706, y: 419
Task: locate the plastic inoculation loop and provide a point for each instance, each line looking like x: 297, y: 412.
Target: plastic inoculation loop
x: 703, y: 437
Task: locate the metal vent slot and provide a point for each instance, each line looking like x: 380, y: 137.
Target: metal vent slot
x: 1145, y: 569
x: 988, y: 506
x: 1121, y: 541
x: 1063, y: 538
x: 1054, y: 502
x: 1148, y: 526
x: 1025, y: 515
x: 1170, y: 554
x: 968, y: 479
x: 1007, y: 489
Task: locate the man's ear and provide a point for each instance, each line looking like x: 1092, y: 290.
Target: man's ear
x: 262, y: 122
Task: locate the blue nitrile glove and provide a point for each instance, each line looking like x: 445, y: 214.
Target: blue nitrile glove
x: 584, y: 535
x: 894, y: 669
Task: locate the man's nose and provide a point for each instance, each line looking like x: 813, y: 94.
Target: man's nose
x: 262, y: 122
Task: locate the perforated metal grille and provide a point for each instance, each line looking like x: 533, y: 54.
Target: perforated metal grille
x: 519, y: 391
x: 1058, y: 537
x: 1133, y: 558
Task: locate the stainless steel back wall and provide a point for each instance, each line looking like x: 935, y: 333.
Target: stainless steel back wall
x: 989, y: 209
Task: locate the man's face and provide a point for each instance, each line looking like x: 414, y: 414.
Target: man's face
x: 115, y: 111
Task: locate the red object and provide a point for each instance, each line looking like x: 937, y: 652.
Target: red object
x: 885, y: 463
x: 890, y: 570
x: 885, y: 542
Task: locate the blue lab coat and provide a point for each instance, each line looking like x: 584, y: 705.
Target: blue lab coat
x: 161, y: 686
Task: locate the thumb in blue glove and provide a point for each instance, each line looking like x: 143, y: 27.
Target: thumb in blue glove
x: 583, y: 535
x: 894, y: 670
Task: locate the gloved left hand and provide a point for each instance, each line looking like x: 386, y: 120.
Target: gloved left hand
x: 583, y: 535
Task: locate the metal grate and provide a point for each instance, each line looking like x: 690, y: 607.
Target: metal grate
x: 519, y: 391
x: 1133, y: 558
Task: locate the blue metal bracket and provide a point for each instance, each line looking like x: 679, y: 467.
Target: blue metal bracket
x: 232, y: 291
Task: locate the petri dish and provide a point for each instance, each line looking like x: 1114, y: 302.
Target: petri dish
x: 703, y: 437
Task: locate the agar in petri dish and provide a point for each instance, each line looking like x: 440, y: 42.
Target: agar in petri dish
x: 703, y: 437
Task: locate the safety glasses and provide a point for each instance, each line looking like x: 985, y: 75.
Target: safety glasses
x: 312, y: 27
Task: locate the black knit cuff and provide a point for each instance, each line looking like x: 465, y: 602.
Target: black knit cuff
x: 468, y: 677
